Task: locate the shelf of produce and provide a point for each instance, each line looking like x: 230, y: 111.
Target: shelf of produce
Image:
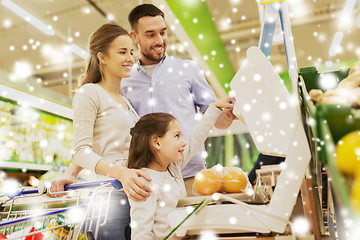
x: 25, y: 166
x: 326, y: 124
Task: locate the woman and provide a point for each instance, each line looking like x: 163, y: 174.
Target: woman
x: 102, y: 121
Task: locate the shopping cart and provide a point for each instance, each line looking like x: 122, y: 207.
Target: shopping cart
x: 32, y: 215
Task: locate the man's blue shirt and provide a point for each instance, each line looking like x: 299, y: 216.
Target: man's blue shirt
x: 178, y: 87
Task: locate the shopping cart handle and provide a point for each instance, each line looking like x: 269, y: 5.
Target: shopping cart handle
x: 28, y: 191
x: 115, y: 183
x: 23, y: 191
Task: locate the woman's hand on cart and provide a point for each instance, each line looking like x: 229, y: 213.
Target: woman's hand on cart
x: 134, y: 187
x: 58, y: 184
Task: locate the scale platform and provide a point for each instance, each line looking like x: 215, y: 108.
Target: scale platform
x: 256, y: 198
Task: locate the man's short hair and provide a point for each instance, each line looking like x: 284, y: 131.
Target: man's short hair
x: 142, y: 11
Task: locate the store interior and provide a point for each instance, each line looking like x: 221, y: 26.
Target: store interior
x: 44, y: 47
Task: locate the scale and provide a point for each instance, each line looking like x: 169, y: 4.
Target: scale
x: 273, y: 118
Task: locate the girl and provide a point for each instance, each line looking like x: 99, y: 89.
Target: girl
x: 157, y: 147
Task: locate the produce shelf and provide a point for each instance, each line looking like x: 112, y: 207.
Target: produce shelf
x: 325, y: 125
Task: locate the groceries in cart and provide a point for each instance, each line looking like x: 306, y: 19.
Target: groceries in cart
x: 57, y: 232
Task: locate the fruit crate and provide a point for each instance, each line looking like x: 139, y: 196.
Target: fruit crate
x: 325, y: 125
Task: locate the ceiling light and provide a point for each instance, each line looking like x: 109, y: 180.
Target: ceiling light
x: 346, y: 13
x: 335, y: 44
x: 79, y: 51
x: 28, y: 17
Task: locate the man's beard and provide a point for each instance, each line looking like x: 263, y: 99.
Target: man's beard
x: 152, y: 58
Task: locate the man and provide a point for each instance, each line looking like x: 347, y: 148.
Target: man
x: 160, y: 83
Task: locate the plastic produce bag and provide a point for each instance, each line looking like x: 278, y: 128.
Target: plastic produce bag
x: 222, y: 180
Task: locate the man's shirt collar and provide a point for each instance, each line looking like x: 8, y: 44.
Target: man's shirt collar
x: 141, y: 68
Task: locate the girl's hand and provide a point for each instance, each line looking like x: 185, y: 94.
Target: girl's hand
x: 225, y: 103
x: 226, y: 117
x: 133, y: 186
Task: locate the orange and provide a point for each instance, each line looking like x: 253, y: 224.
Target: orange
x: 207, y: 182
x: 348, y: 153
x: 234, y: 180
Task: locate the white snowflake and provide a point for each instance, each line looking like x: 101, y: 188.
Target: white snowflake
x: 204, y: 154
x: 167, y: 187
x: 232, y: 220
x: 218, y: 167
x: 207, y: 235
x: 189, y: 209
x: 250, y: 192
x: 152, y: 102
x: 282, y: 105
x: 257, y: 77
x: 198, y: 117
x: 43, y: 143
x: 75, y: 215
x: 283, y: 165
x: 259, y: 139
x: 133, y: 224
x: 301, y: 225
x: 266, y: 116
x: 247, y: 107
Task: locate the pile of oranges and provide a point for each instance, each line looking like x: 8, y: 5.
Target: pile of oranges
x: 228, y: 179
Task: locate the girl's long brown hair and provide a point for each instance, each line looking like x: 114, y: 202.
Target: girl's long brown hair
x: 141, y: 152
x: 100, y: 41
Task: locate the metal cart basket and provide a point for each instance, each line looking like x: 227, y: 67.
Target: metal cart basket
x: 33, y: 215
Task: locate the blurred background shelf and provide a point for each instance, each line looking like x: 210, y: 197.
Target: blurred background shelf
x: 5, y: 165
